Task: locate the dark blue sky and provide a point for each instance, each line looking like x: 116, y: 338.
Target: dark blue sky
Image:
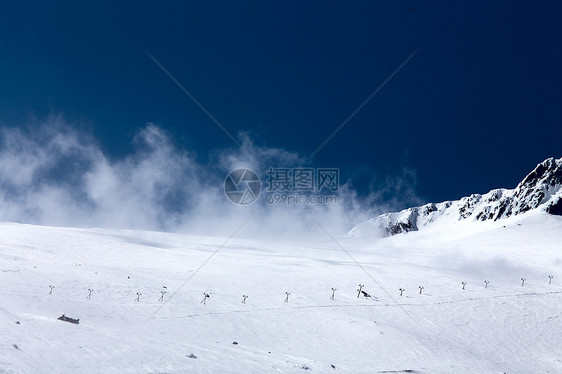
x: 475, y: 109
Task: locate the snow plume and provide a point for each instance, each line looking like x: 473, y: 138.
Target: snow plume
x: 53, y: 174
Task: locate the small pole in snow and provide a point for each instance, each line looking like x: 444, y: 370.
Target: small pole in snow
x: 51, y: 291
x: 421, y: 289
x: 401, y: 291
x: 244, y: 297
x: 333, y: 293
x: 523, y: 281
x: 486, y: 284
x: 138, y: 297
x: 205, y: 297
x: 463, y: 285
x: 162, y: 293
x: 360, y: 289
x: 550, y: 279
x: 89, y: 294
x: 287, y: 296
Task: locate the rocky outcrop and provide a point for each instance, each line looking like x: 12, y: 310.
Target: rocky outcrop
x: 540, y: 189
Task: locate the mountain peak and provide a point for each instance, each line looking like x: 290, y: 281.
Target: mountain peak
x: 547, y: 172
x: 540, y: 189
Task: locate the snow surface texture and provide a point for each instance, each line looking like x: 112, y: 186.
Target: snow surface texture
x: 505, y: 327
x: 542, y: 188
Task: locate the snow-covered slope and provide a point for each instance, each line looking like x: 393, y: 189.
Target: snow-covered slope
x: 505, y: 327
x: 540, y: 189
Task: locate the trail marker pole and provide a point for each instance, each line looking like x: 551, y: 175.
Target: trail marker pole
x: 205, y: 297
x: 360, y: 289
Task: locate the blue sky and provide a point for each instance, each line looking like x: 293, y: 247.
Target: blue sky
x: 476, y: 108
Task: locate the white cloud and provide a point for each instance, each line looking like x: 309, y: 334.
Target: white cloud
x: 52, y: 174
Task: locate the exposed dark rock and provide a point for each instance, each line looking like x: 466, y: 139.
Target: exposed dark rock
x: 428, y: 208
x: 400, y: 227
x: 555, y: 208
x: 64, y: 318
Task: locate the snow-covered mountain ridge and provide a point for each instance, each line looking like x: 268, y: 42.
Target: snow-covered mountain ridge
x: 540, y: 189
